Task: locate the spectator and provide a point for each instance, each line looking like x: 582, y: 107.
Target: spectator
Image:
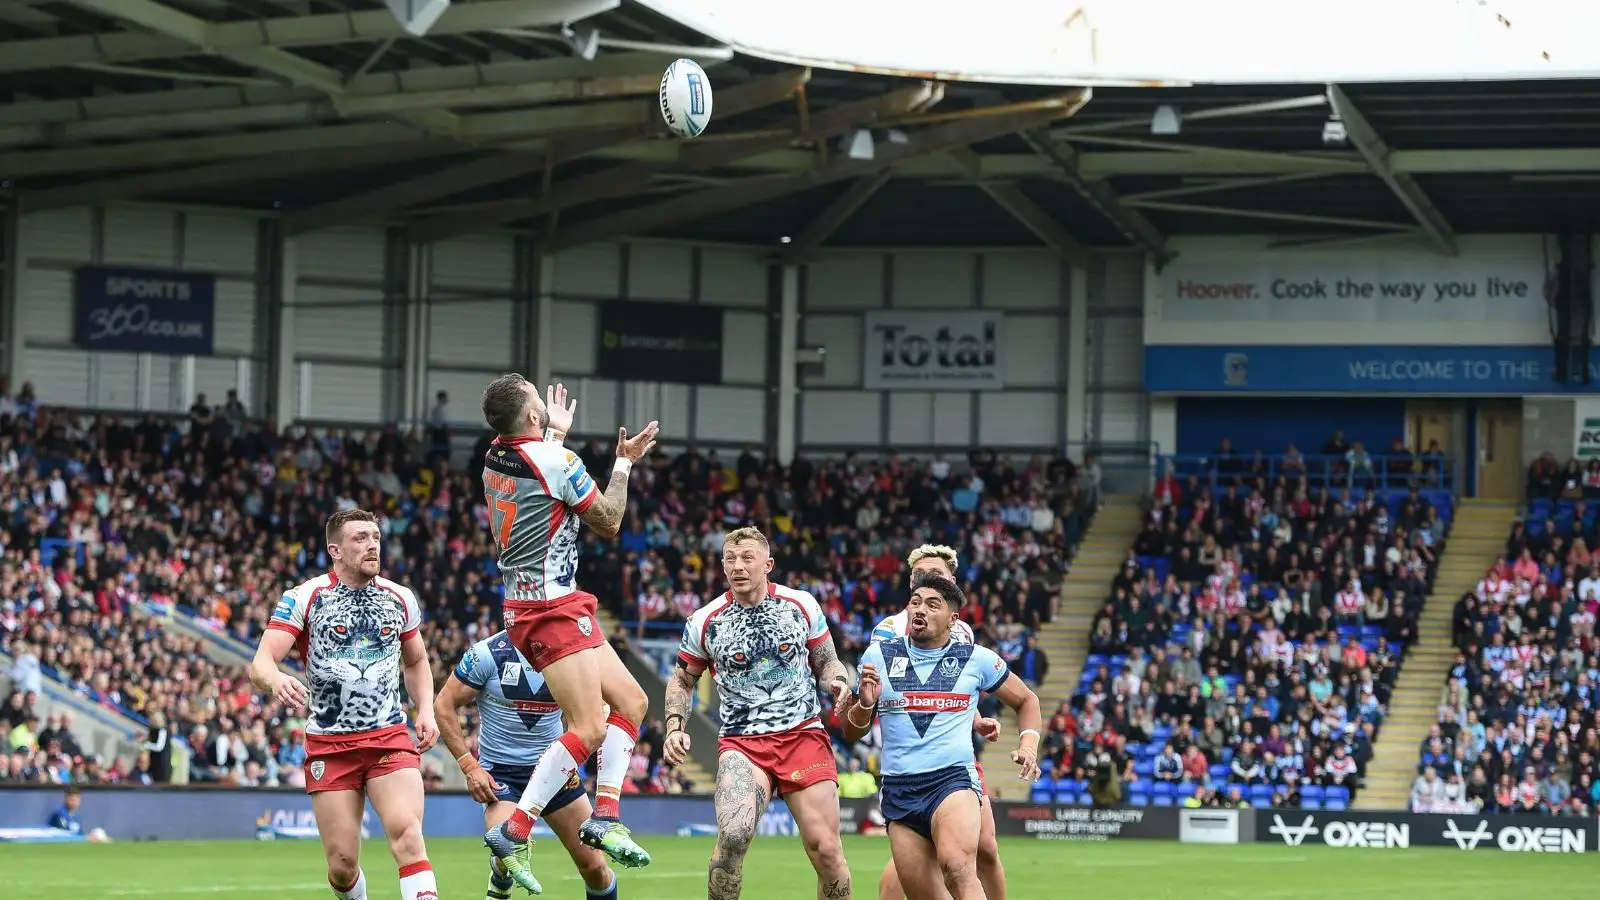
x: 855, y: 782
x: 1427, y: 792
x: 65, y: 818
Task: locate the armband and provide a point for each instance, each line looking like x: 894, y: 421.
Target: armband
x: 622, y: 466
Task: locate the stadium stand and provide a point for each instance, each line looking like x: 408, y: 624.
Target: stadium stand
x: 1253, y: 635
x: 142, y: 560
x: 1516, y: 723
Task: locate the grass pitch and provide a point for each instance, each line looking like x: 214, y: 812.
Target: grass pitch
x: 777, y: 870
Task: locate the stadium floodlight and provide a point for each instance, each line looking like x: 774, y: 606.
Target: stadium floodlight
x: 858, y: 144
x: 1166, y: 121
x: 417, y: 16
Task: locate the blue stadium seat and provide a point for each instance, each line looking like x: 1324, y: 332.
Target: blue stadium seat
x: 1260, y: 794
x: 1336, y: 804
x: 1045, y: 768
x: 1144, y: 768
x: 1308, y: 803
x: 1311, y: 792
x: 1085, y: 800
x: 1219, y: 772
x: 1338, y: 794
x: 1227, y: 755
x: 1159, y: 800
x: 1138, y: 798
x: 1095, y: 661
x: 1163, y: 789
x: 1041, y: 793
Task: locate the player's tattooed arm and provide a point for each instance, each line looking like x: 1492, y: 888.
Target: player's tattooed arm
x: 680, y: 695
x: 826, y: 665
x: 605, y: 514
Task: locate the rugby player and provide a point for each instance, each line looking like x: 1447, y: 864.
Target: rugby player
x: 942, y: 560
x: 768, y: 647
x: 517, y: 721
x: 537, y: 492
x: 929, y: 687
x: 358, y: 634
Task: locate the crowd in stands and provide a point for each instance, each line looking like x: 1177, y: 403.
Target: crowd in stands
x: 116, y: 526
x: 1247, y: 649
x: 1519, y: 727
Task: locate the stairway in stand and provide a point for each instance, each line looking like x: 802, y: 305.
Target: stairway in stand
x: 1477, y: 539
x: 704, y: 782
x: 1065, y: 640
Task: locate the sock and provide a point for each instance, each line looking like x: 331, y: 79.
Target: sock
x: 615, y: 754
x: 557, y: 764
x: 500, y: 883
x: 416, y: 882
x: 356, y: 891
x: 609, y: 893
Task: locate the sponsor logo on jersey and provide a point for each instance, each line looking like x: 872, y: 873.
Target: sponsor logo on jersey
x: 533, y: 706
x: 317, y: 768
x: 585, y: 626
x: 798, y: 774
x: 511, y: 674
x: 897, y: 666
x: 951, y: 666
x: 508, y: 617
x: 930, y: 702
x: 284, y: 612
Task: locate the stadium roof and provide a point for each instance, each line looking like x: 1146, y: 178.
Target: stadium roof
x: 327, y: 111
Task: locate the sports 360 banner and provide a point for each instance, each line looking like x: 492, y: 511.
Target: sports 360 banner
x: 932, y: 350
x: 146, y: 310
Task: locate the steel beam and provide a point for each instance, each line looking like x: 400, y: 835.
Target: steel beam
x: 287, y: 31
x: 484, y: 127
x: 1135, y: 227
x: 534, y: 81
x: 825, y: 223
x: 1373, y: 149
x: 215, y: 175
x: 934, y: 140
x: 1275, y: 216
x: 620, y: 181
x: 1009, y: 197
x: 296, y: 70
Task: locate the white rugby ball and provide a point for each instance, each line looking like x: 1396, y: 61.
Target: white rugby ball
x: 686, y: 98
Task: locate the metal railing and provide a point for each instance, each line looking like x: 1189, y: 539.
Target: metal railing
x: 1334, y: 473
x: 1126, y: 467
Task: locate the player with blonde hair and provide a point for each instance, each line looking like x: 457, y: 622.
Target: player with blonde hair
x: 942, y: 560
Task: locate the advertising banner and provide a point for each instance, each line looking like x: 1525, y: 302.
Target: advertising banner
x: 674, y: 342
x: 932, y: 350
x: 1586, y: 430
x: 146, y: 310
x: 1082, y: 823
x: 1400, y: 831
x: 1471, y: 371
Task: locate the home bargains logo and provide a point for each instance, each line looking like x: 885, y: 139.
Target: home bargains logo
x: 930, y: 702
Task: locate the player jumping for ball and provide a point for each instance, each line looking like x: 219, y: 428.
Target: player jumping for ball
x: 537, y: 492
x: 358, y: 635
x: 926, y: 687
x: 768, y: 648
x: 518, y: 720
x: 940, y: 559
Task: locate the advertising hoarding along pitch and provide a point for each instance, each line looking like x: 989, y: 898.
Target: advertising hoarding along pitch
x: 146, y: 310
x: 932, y: 350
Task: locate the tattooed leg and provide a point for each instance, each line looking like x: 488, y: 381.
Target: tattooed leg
x: 741, y: 798
x: 816, y: 815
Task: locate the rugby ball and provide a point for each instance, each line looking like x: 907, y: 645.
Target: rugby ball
x: 686, y: 98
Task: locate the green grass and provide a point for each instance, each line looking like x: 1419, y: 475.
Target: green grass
x: 777, y: 870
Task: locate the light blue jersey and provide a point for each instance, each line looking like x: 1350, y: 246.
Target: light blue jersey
x: 518, y: 716
x: 929, y: 701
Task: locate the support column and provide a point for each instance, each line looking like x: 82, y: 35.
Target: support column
x: 283, y: 385
x: 11, y: 293
x: 414, y: 342
x: 184, y: 379
x: 544, y: 321
x: 788, y: 373
x: 1077, y: 355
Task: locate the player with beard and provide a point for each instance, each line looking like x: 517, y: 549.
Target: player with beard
x: 929, y: 685
x: 768, y: 648
x: 537, y: 493
x: 941, y: 560
x: 358, y: 634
